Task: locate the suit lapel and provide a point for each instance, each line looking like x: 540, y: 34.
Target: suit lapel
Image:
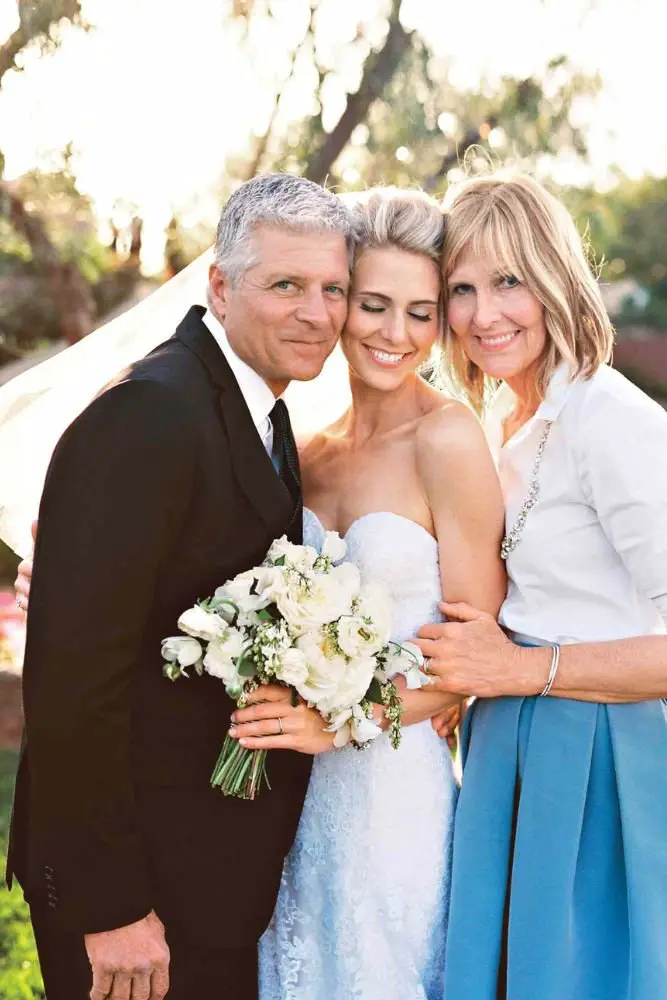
x: 253, y: 467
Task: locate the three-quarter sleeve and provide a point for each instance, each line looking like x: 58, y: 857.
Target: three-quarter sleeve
x: 622, y: 459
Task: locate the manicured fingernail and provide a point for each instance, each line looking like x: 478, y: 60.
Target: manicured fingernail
x: 232, y: 731
x: 234, y: 717
x: 243, y: 743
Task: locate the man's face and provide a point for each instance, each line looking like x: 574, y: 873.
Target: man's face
x: 286, y: 314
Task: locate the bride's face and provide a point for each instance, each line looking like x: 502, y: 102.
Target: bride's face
x: 393, y: 316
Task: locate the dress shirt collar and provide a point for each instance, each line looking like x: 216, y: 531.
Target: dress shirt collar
x: 502, y: 404
x: 256, y: 393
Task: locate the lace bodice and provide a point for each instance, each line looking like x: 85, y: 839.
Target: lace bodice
x: 363, y: 902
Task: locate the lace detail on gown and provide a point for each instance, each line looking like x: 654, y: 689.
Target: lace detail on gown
x: 362, y: 909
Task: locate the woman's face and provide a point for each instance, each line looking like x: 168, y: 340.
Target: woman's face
x: 498, y: 320
x: 392, y: 321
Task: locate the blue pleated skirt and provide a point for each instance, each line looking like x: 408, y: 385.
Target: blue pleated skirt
x: 559, y: 884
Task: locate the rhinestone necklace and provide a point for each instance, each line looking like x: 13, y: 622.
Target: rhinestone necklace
x: 512, y: 538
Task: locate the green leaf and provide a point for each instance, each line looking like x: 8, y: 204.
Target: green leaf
x: 246, y: 665
x: 280, y: 561
x: 374, y: 692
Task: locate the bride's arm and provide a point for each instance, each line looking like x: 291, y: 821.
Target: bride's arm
x: 463, y: 492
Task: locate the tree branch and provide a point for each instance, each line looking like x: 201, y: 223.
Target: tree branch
x: 37, y: 20
x: 378, y: 71
x: 71, y: 292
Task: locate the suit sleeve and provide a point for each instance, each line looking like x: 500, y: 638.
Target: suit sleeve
x: 114, y: 503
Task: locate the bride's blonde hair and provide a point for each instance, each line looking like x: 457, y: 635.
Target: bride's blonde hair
x: 407, y: 219
x: 528, y: 233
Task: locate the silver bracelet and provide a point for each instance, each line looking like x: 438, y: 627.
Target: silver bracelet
x: 553, y: 669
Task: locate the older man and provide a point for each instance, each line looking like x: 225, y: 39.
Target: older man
x: 175, y: 478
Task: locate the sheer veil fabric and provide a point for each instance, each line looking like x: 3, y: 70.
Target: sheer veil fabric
x: 38, y: 405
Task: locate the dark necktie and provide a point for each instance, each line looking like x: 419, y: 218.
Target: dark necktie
x: 284, y: 447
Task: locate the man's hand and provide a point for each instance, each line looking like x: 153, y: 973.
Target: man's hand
x: 22, y: 582
x: 130, y: 963
x: 446, y: 723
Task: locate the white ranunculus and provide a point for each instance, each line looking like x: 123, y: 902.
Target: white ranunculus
x: 201, y: 624
x: 292, y: 667
x: 238, y: 591
x: 221, y: 656
x: 184, y: 650
x: 353, y: 724
x: 334, y: 547
x: 272, y: 582
x: 408, y: 659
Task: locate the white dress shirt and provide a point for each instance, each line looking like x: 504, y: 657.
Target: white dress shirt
x: 591, y: 563
x: 256, y: 393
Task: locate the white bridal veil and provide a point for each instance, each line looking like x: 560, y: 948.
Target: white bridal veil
x: 37, y: 406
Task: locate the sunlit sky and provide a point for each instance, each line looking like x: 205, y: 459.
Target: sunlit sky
x: 156, y: 96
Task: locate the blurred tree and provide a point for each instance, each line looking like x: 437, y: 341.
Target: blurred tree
x: 40, y: 22
x: 398, y: 117
x: 71, y: 302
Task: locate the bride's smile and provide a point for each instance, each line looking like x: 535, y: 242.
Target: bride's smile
x: 393, y: 317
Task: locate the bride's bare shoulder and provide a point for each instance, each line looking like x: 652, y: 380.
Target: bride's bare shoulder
x: 449, y: 428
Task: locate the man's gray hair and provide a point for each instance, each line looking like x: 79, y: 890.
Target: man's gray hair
x: 282, y: 201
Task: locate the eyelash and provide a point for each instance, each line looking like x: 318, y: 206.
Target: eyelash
x: 380, y: 309
x: 464, y: 288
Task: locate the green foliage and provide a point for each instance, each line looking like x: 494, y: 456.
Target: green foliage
x: 20, y: 977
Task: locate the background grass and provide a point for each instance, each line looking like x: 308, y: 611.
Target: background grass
x: 20, y: 978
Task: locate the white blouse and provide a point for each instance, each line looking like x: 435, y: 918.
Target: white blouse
x: 591, y: 563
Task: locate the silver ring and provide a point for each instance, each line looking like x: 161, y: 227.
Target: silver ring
x: 19, y: 602
x: 280, y: 726
x: 426, y: 668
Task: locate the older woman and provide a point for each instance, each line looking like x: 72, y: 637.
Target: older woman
x: 560, y: 855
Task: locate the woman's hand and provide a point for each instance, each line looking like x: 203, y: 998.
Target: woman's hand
x: 256, y: 727
x: 470, y: 655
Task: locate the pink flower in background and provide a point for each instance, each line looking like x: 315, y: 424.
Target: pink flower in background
x: 12, y: 630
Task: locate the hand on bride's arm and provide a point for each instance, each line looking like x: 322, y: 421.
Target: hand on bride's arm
x: 470, y: 655
x: 24, y: 578
x: 271, y: 722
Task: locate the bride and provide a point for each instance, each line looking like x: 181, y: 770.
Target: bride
x: 405, y: 476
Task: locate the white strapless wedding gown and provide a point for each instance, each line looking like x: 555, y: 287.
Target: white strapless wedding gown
x: 362, y: 910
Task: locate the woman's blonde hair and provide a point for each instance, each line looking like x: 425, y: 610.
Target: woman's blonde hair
x: 529, y: 234
x: 408, y: 220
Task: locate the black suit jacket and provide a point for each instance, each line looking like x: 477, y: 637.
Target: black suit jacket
x: 157, y: 493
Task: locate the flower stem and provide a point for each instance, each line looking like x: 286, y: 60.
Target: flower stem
x: 238, y: 771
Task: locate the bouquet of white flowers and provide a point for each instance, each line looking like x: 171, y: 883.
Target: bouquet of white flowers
x: 302, y: 619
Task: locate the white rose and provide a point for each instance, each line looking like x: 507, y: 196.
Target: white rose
x: 201, y: 624
x: 323, y: 666
x: 334, y: 547
x: 375, y: 603
x: 302, y: 557
x: 325, y: 598
x: 333, y: 682
x: 292, y: 667
x: 184, y: 651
